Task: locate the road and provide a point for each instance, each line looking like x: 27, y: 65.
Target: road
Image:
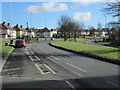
x: 42, y: 66
x: 91, y: 42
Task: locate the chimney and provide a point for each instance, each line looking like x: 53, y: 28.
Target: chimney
x: 16, y: 25
x: 21, y: 26
x: 8, y: 24
x: 3, y: 23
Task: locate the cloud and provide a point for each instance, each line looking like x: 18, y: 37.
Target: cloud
x: 47, y: 7
x: 88, y: 1
x: 82, y: 16
x: 77, y: 3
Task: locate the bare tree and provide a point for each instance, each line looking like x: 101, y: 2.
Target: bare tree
x: 113, y: 8
x: 76, y: 29
x: 92, y: 31
x: 69, y: 27
x: 63, y: 23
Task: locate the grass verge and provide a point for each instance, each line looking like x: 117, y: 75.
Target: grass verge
x: 4, y: 50
x: 79, y: 46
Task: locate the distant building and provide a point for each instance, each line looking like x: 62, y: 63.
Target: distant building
x: 45, y: 32
x: 6, y: 31
x: 20, y: 32
x: 30, y: 32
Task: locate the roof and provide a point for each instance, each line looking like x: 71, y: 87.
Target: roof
x: 53, y: 30
x: 18, y: 28
x: 5, y: 27
x: 43, y: 30
x: 34, y: 29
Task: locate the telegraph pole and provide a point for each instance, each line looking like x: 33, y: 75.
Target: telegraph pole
x: 30, y: 19
x: 45, y: 22
x: 11, y: 21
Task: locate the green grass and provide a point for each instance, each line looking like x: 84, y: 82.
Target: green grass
x: 4, y: 50
x: 42, y: 39
x: 79, y: 46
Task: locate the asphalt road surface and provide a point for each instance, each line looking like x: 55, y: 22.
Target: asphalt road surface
x: 91, y: 42
x: 42, y: 66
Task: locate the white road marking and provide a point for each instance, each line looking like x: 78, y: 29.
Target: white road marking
x: 11, y: 69
x: 70, y: 84
x: 45, y: 52
x: 57, y: 62
x: 22, y: 78
x: 55, y: 57
x: 77, y: 74
x: 31, y: 58
x: 37, y: 58
x: 39, y: 69
x: 31, y: 52
x: 50, y: 69
x: 51, y: 59
x: 76, y: 67
x: 113, y: 83
x: 27, y: 52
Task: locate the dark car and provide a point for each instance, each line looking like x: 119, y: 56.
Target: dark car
x: 20, y: 43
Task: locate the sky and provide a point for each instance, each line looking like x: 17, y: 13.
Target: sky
x: 47, y: 14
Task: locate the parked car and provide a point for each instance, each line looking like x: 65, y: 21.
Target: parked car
x: 20, y: 43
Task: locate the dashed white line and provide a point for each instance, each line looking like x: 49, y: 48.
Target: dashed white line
x: 50, y: 69
x: 39, y: 69
x: 113, y: 83
x: 27, y: 52
x: 31, y: 58
x: 45, y: 52
x: 55, y: 58
x: 51, y: 59
x: 70, y: 84
x: 71, y: 71
x: 12, y: 69
x: 76, y: 67
x: 31, y: 51
x: 37, y: 58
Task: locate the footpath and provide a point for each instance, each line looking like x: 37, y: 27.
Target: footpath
x: 4, y: 60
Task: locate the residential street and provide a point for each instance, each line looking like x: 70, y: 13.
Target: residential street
x: 42, y: 66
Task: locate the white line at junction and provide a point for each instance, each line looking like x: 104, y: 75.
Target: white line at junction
x: 50, y: 69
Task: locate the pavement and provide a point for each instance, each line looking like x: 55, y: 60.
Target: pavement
x: 4, y: 60
x: 42, y: 66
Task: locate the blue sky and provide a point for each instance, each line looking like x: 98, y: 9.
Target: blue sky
x: 50, y: 12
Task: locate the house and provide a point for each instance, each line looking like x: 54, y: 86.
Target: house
x: 30, y: 32
x: 7, y: 32
x: 20, y: 32
x: 53, y: 33
x: 45, y: 32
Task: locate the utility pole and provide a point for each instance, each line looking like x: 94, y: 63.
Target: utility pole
x: 11, y: 41
x: 30, y: 19
x: 45, y: 22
